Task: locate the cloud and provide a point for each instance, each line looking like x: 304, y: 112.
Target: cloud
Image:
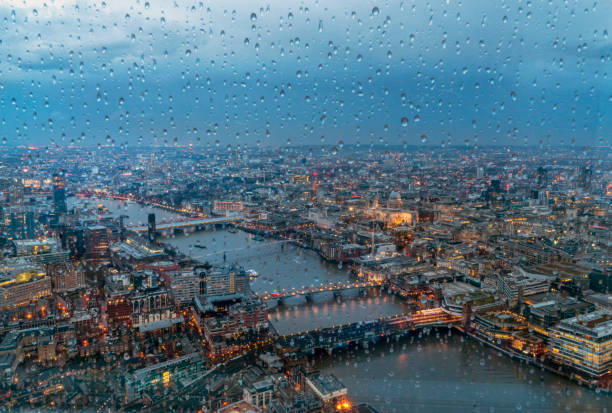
x: 185, y: 65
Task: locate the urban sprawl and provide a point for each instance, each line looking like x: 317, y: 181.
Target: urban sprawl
x: 101, y: 310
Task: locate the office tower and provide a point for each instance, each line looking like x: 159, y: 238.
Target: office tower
x: 151, y: 228
x: 584, y: 177
x: 541, y: 177
x: 496, y: 186
x: 97, y: 240
x: 59, y: 192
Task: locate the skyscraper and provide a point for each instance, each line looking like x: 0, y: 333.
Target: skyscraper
x: 151, y: 228
x: 584, y: 177
x: 59, y: 192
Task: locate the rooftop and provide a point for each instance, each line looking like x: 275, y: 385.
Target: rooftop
x: 597, y: 324
x: 239, y: 407
x: 327, y: 383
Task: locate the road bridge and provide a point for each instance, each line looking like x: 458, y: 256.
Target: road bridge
x: 368, y: 331
x: 310, y: 291
x: 185, y: 224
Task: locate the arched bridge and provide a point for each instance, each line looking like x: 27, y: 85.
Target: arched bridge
x: 338, y: 287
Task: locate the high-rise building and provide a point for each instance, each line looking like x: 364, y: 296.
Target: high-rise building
x: 541, y: 177
x: 496, y: 186
x: 59, y: 192
x: 20, y: 221
x: 97, y: 241
x: 152, y: 227
x: 584, y: 177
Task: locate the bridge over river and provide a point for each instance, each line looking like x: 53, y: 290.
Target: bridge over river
x: 188, y: 223
x: 336, y: 288
x: 368, y: 331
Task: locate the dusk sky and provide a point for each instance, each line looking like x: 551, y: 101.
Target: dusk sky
x: 472, y: 72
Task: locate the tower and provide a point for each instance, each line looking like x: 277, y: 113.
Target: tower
x: 59, y: 192
x: 151, y: 228
x: 584, y: 177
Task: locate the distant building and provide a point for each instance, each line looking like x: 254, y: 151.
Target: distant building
x: 153, y: 310
x: 97, y: 240
x: 395, y: 200
x: 546, y: 310
x: 20, y: 222
x: 225, y: 207
x: 35, y: 246
x: 428, y: 215
x: 328, y: 388
x: 584, y: 343
x: 240, y: 406
x: 65, y: 277
x: 584, y: 177
x: 134, y: 251
x: 21, y: 283
x: 59, y: 192
x: 184, y: 286
x: 43, y: 251
x: 175, y: 371
x: 520, y: 283
x: 151, y: 228
x: 225, y: 281
x: 300, y: 179
x: 37, y: 343
x: 259, y: 393
x: 119, y: 310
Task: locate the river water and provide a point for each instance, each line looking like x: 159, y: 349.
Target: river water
x: 431, y: 374
x: 453, y: 374
x: 283, y: 267
x: 137, y: 214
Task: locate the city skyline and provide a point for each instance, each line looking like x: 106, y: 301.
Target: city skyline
x: 270, y: 279
x: 305, y: 206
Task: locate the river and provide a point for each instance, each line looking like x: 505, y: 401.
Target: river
x: 454, y: 374
x: 431, y: 374
x: 137, y: 214
x: 283, y: 266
